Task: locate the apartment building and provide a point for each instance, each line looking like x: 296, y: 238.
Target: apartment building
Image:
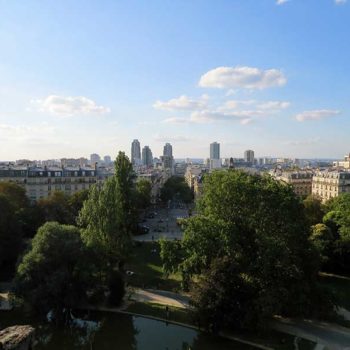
x: 40, y: 182
x: 301, y: 181
x: 329, y: 184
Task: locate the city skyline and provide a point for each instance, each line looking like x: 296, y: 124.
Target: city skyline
x: 79, y: 78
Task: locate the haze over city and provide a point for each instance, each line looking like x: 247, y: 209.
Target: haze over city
x: 82, y: 77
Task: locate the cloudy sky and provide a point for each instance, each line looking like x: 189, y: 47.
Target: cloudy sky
x: 78, y: 77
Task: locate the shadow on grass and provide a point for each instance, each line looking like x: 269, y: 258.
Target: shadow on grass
x: 146, y: 264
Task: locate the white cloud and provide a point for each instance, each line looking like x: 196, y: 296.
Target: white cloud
x: 281, y: 2
x: 340, y: 2
x: 235, y: 104
x: 176, y: 120
x: 182, y: 103
x: 69, y: 106
x: 242, y: 77
x: 316, y: 115
x: 273, y: 105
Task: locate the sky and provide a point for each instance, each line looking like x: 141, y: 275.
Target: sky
x: 81, y: 77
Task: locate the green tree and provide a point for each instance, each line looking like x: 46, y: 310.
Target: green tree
x: 143, y: 194
x: 176, y: 188
x: 57, y: 270
x: 313, y: 209
x: 108, y: 215
x: 76, y: 201
x: 56, y: 208
x: 16, y: 194
x: 259, y: 225
x: 337, y: 219
x: 322, y: 238
x: 10, y: 232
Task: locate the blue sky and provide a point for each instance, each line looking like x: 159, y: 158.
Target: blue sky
x: 78, y: 77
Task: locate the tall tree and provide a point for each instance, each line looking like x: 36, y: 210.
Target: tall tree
x: 108, y: 215
x: 313, y: 209
x: 258, y: 226
x: 57, y: 270
x: 10, y: 231
x: 143, y: 193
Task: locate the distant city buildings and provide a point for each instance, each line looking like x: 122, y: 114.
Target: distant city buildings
x: 214, y: 160
x: 107, y: 160
x: 328, y: 184
x: 147, y: 157
x: 215, y: 150
x: 249, y: 156
x: 301, y: 181
x: 136, y: 153
x: 345, y: 164
x: 40, y: 182
x: 95, y: 158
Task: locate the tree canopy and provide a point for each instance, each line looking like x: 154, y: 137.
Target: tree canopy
x: 56, y: 271
x: 258, y: 227
x: 176, y: 188
x: 108, y: 215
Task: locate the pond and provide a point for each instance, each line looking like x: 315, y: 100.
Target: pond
x: 117, y: 331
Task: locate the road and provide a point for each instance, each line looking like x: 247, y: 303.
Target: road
x: 165, y: 222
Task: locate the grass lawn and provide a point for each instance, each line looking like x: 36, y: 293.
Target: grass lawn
x: 145, y: 262
x: 340, y: 286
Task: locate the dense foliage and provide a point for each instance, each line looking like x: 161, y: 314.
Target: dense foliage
x: 250, y: 241
x: 175, y: 188
x: 108, y: 215
x: 10, y: 232
x: 56, y: 272
x: 143, y: 194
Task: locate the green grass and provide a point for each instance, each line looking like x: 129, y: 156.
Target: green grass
x: 340, y: 287
x: 147, y: 266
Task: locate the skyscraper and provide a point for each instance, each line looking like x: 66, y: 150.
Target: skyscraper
x: 168, y: 150
x: 135, y: 152
x: 215, y: 150
x: 147, y: 157
x: 94, y: 158
x: 167, y: 158
x: 215, y: 161
x: 107, y: 160
x: 249, y: 156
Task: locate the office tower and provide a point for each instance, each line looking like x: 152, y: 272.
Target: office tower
x: 167, y: 158
x: 215, y: 161
x: 215, y: 150
x: 94, y: 158
x: 249, y: 156
x: 147, y: 158
x: 107, y: 160
x: 135, y: 152
x: 168, y: 150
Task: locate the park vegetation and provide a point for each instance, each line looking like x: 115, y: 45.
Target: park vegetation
x: 175, y: 188
x: 79, y: 253
x: 247, y: 255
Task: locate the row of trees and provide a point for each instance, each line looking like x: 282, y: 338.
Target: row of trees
x: 330, y: 231
x: 65, y: 263
x: 247, y: 255
x: 175, y: 188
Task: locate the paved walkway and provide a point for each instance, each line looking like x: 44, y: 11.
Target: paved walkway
x: 5, y: 304
x: 160, y: 297
x: 328, y: 336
